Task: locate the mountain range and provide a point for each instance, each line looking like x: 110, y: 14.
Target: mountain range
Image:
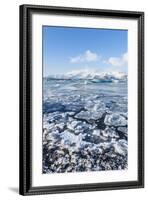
x: 95, y: 75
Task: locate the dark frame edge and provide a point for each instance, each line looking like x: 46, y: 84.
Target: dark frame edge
x: 65, y: 9
x: 141, y: 145
x: 21, y: 100
x: 84, y: 188
x: 24, y: 103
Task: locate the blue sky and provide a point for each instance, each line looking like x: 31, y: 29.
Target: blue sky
x: 66, y: 49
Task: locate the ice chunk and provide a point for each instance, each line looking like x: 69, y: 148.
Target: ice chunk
x: 95, y: 106
x: 94, y: 110
x: 96, y: 132
x: 88, y: 115
x: 122, y: 129
x: 115, y: 120
x: 74, y: 124
x: 110, y: 132
x: 121, y: 147
x: 70, y: 138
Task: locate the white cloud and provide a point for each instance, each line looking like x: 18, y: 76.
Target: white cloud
x: 118, y: 61
x: 87, y: 56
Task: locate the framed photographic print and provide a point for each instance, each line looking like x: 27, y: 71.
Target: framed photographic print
x: 81, y: 99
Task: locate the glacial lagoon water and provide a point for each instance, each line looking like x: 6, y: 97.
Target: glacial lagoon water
x: 85, y: 125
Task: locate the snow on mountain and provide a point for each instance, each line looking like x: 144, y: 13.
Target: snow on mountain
x: 92, y: 75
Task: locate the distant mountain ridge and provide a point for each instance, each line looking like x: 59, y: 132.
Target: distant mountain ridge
x: 93, y: 75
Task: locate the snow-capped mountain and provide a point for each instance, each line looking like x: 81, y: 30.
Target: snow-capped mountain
x: 92, y: 75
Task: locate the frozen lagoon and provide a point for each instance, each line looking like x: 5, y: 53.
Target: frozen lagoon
x: 85, y: 125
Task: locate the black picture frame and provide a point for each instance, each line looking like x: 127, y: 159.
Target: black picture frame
x: 25, y: 181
